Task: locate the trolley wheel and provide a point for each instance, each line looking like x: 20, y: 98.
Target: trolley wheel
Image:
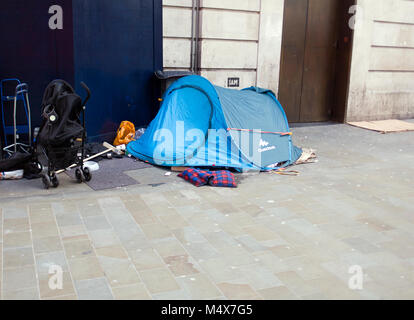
x: 46, y: 181
x: 87, y: 174
x: 54, y: 180
x: 79, y: 175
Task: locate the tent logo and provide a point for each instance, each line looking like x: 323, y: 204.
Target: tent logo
x: 264, y: 146
x: 263, y: 143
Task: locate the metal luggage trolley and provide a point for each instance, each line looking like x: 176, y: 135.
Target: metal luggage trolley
x: 21, y: 93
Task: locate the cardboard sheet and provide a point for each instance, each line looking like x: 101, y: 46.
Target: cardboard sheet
x: 385, y: 126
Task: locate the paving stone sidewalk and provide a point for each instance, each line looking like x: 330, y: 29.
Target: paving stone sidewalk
x: 274, y: 237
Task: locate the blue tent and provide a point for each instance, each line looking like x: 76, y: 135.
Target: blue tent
x: 200, y: 125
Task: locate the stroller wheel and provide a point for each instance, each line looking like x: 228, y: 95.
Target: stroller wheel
x: 54, y: 180
x: 87, y: 174
x: 39, y: 167
x: 46, y: 181
x: 79, y: 176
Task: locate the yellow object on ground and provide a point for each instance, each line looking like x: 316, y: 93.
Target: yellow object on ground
x: 126, y: 133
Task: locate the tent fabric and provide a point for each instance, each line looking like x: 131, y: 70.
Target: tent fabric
x: 200, y: 125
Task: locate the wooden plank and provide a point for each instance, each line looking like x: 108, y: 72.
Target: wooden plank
x: 179, y: 169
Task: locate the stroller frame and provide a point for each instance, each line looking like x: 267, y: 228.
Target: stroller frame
x: 82, y: 174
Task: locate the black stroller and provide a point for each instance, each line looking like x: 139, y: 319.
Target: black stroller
x: 61, y: 137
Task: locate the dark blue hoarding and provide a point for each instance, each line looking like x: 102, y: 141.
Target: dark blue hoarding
x: 114, y: 46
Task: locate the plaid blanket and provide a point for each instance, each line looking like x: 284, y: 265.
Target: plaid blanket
x: 200, y: 178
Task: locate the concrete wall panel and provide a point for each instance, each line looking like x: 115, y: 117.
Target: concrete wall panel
x: 394, y: 10
x: 179, y: 3
x: 249, y: 5
x: 390, y: 59
x: 235, y: 25
x: 383, y: 82
x: 392, y: 34
x: 177, y: 22
x: 177, y: 53
x: 221, y: 54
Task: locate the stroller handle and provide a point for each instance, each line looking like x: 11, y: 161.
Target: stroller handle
x: 88, y: 92
x: 22, y: 88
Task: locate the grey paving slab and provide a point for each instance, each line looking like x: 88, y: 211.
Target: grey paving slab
x: 93, y: 289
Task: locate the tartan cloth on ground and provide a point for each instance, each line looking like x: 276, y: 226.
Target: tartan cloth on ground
x: 200, y: 178
x: 223, y: 178
x: 196, y: 177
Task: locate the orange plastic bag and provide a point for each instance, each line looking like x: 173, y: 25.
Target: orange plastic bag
x: 126, y: 133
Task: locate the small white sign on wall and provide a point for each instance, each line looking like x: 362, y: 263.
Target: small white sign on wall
x: 233, y: 82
